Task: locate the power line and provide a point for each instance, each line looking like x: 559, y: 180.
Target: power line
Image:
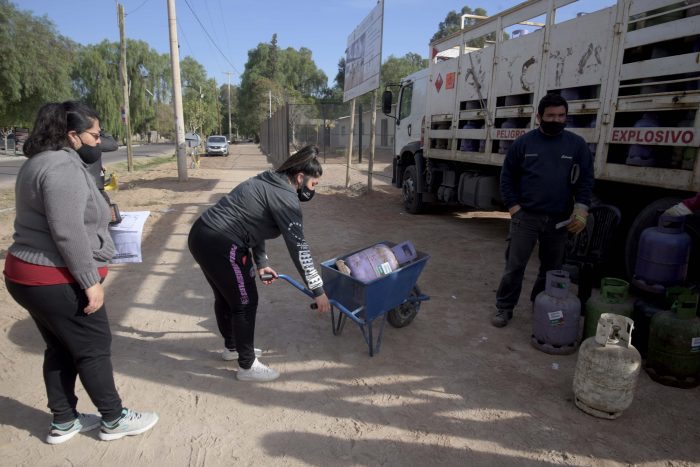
x: 185, y: 37
x: 223, y: 20
x: 208, y: 36
x: 211, y: 21
x: 136, y: 9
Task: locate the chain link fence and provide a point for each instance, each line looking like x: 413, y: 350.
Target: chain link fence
x: 326, y: 126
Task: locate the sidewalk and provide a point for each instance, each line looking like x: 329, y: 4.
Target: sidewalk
x: 9, y: 156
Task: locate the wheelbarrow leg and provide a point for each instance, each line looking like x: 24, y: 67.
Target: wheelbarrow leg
x: 337, y: 327
x: 369, y: 338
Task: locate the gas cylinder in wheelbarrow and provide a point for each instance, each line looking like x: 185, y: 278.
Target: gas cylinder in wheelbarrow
x: 392, y: 297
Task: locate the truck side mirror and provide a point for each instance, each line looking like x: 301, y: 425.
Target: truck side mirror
x: 386, y: 102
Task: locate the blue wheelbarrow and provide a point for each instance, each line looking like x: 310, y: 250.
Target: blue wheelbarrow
x: 394, y: 297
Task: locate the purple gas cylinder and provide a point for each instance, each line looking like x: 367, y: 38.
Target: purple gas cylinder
x: 663, y: 253
x: 504, y: 144
x: 379, y: 260
x: 555, y: 321
x: 469, y: 144
x: 644, y: 155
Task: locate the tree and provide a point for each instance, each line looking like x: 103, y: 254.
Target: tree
x: 199, y: 98
x: 36, y: 65
x: 273, y: 58
x: 298, y: 72
x: 340, y: 76
x: 453, y: 23
x: 223, y: 105
x: 148, y: 72
x: 96, y: 82
x: 296, y: 78
x: 393, y: 69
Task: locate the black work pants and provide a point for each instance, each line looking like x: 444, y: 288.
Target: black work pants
x: 526, y: 229
x: 229, y: 270
x: 76, y: 344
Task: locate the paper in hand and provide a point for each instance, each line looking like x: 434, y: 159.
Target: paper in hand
x: 563, y: 224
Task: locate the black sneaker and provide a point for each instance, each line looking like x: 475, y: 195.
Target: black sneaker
x: 501, y: 318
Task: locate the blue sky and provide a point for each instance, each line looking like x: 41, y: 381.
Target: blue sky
x: 237, y: 26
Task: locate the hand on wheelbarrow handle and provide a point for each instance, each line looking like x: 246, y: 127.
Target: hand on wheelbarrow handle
x: 305, y: 291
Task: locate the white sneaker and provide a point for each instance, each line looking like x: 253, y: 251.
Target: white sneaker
x: 257, y: 372
x: 129, y: 424
x: 229, y: 355
x: 61, y: 433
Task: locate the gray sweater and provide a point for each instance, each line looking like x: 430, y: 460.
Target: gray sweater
x: 265, y: 207
x: 61, y: 217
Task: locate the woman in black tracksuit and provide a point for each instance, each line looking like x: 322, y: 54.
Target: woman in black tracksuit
x: 228, y: 242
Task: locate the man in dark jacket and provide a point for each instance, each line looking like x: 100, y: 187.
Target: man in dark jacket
x: 546, y: 184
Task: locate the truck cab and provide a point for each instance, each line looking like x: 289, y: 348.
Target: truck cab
x: 409, y: 117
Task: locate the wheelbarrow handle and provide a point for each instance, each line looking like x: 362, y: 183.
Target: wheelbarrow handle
x: 304, y: 290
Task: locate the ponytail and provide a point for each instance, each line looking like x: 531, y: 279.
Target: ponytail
x: 304, y: 161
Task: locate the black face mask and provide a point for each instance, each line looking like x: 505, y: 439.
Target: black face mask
x: 304, y: 193
x: 89, y: 154
x: 552, y: 128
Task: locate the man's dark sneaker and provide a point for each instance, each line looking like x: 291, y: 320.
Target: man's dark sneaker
x: 501, y: 318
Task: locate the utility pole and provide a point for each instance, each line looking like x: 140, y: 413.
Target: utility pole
x: 125, y: 88
x: 372, y: 141
x: 229, y: 73
x: 352, y: 130
x: 177, y: 95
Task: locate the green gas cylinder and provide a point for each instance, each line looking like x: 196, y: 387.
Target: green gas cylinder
x: 612, y: 298
x: 674, y: 345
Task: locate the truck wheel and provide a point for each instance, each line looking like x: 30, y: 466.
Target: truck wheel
x: 412, y: 200
x: 647, y: 217
x: 403, y: 314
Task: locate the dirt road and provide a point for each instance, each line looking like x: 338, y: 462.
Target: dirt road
x: 449, y: 389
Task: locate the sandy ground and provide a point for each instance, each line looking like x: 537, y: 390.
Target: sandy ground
x: 448, y: 389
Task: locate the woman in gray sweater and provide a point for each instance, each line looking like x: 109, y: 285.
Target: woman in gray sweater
x: 55, y: 268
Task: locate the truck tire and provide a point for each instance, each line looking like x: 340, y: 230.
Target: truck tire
x: 647, y: 217
x: 412, y: 200
x: 403, y: 314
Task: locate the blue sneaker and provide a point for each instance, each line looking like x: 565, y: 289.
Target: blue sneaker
x: 62, y: 432
x: 129, y: 424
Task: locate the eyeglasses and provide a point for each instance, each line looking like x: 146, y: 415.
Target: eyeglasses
x: 94, y: 135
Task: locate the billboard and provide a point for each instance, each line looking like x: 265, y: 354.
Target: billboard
x: 363, y: 56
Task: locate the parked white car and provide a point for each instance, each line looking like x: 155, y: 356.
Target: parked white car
x: 216, y: 146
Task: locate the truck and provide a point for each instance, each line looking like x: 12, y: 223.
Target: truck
x: 630, y: 73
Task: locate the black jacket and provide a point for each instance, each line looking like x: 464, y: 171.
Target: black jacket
x: 547, y: 174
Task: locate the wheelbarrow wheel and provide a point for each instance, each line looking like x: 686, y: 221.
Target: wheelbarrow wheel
x: 403, y: 314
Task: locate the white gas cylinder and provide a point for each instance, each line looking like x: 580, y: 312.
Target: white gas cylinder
x: 607, y: 368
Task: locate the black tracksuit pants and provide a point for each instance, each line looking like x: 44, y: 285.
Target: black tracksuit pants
x: 526, y: 230
x: 229, y: 270
x: 76, y: 344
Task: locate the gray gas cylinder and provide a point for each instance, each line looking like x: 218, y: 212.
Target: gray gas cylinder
x: 555, y: 320
x: 607, y: 368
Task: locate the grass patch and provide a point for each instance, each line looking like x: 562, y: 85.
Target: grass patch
x: 142, y: 163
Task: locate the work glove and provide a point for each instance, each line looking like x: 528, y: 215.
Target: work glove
x: 578, y: 218
x: 678, y: 210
